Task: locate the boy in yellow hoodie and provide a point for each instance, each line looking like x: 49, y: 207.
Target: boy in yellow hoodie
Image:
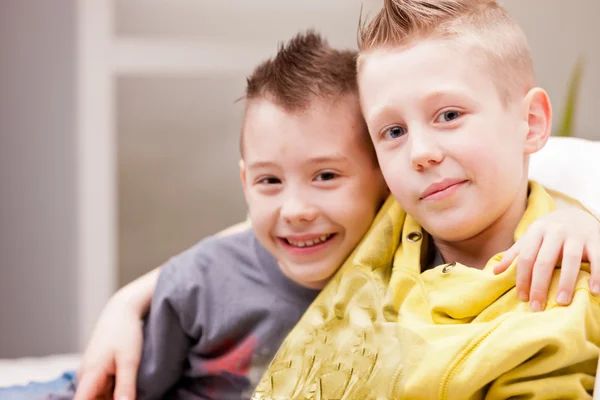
x: 448, y: 93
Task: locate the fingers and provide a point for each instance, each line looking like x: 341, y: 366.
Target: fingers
x: 507, y: 258
x: 543, y: 270
x: 528, y: 251
x: 126, y: 378
x: 571, y: 263
x: 593, y: 255
x: 93, y: 384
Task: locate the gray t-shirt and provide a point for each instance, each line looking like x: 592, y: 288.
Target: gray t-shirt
x: 219, y: 313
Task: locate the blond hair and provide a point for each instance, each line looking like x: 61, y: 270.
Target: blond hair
x: 480, y: 24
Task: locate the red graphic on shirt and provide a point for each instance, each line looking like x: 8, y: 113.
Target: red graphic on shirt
x: 236, y: 360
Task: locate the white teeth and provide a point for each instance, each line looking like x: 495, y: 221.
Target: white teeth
x: 309, y: 243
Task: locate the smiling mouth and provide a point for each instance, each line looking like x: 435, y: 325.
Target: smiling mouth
x: 309, y: 243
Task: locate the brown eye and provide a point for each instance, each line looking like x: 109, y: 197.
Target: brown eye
x: 326, y: 176
x: 271, y: 180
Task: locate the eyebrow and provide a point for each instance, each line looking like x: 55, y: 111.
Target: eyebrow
x: 442, y: 94
x: 381, y: 114
x: 328, y: 159
x: 261, y: 164
x: 431, y: 97
x: 314, y: 160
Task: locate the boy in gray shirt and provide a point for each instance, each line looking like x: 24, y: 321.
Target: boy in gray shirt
x: 222, y: 308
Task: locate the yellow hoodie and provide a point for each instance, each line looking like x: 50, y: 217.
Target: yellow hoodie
x: 383, y: 330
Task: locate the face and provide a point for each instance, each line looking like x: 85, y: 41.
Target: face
x: 311, y: 183
x: 451, y: 151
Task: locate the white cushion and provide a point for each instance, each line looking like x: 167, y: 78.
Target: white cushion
x: 21, y: 371
x: 570, y: 166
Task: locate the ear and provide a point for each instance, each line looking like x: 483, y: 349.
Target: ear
x: 539, y: 119
x: 243, y: 178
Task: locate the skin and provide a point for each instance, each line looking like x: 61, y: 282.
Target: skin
x: 306, y: 176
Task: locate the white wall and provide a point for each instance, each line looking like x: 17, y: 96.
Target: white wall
x: 38, y: 240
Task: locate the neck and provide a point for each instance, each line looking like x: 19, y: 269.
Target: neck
x: 476, y: 251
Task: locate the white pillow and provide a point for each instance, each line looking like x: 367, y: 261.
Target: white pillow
x: 570, y: 166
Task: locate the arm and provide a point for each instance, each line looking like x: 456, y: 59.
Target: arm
x: 138, y: 294
x: 173, y: 322
x: 116, y: 343
x: 115, y: 349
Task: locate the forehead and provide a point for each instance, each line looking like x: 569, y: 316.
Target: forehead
x: 429, y: 67
x: 324, y: 128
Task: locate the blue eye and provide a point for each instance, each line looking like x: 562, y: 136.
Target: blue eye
x: 448, y: 116
x: 394, y: 132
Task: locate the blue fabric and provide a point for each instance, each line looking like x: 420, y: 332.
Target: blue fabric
x: 60, y: 388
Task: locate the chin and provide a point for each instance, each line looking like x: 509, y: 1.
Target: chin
x: 451, y: 237
x: 448, y: 232
x: 307, y: 274
x: 319, y: 278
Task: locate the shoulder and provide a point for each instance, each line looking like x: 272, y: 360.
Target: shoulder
x: 213, y: 259
x: 569, y: 165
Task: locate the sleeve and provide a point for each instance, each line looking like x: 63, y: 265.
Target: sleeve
x: 174, y: 323
x: 562, y: 366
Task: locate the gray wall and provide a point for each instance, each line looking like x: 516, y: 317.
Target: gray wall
x: 178, y: 176
x: 37, y: 177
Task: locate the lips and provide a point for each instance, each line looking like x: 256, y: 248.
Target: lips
x: 308, y: 242
x: 301, y: 246
x: 441, y: 186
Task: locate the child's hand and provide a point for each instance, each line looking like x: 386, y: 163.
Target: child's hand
x: 114, y: 350
x: 569, y: 233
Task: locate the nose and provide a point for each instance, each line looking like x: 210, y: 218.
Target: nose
x: 296, y: 210
x: 425, y: 151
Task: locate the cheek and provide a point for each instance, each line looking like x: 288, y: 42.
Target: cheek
x: 482, y: 153
x: 395, y: 176
x: 477, y: 161
x: 497, y: 172
x: 263, y: 212
x: 502, y: 160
